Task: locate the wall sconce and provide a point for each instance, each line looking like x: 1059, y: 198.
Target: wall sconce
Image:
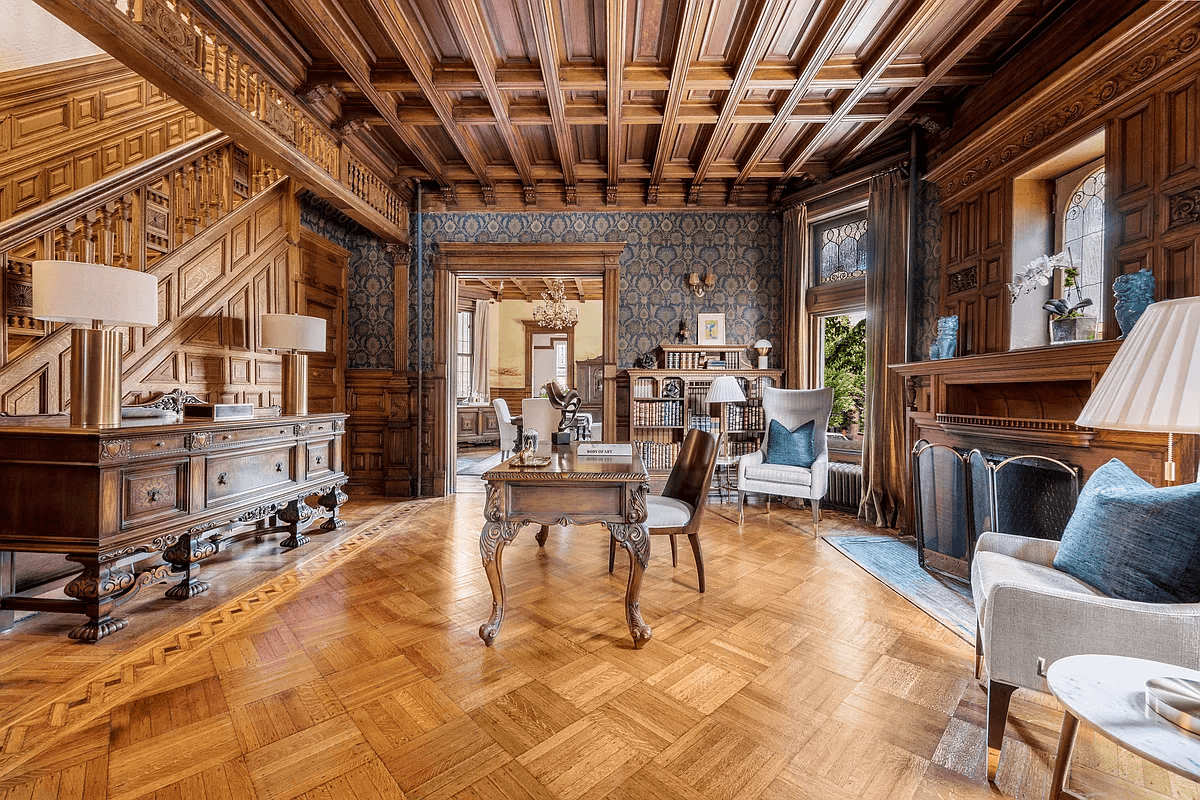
x: 701, y: 283
x: 763, y: 347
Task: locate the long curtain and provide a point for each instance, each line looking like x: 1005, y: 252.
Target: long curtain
x: 883, y: 445
x: 797, y: 277
x: 481, y: 364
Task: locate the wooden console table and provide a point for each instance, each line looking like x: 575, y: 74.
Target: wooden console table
x: 108, y: 498
x: 569, y: 491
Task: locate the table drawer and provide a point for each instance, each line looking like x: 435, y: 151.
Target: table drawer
x: 319, y: 457
x: 243, y: 435
x: 232, y: 477
x: 154, y: 445
x: 153, y: 493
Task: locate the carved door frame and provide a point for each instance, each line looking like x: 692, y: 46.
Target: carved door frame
x: 454, y: 260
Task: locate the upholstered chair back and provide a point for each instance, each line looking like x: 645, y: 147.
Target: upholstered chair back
x: 794, y: 407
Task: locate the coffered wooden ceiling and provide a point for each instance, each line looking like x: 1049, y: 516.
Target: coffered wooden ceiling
x: 529, y: 290
x: 630, y: 102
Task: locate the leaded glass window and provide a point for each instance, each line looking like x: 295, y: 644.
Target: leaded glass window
x: 840, y: 249
x: 1083, y: 235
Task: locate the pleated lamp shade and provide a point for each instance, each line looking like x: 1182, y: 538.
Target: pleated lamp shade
x: 1153, y: 383
x: 293, y: 332
x: 724, y: 389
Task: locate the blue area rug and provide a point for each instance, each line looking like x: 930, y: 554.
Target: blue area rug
x: 893, y: 560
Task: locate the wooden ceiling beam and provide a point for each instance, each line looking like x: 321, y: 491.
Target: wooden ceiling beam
x: 965, y: 40
x: 579, y: 289
x: 685, y: 51
x: 834, y: 26
x: 614, y: 65
x: 339, y: 38
x: 769, y: 15
x: 520, y: 287
x: 542, y: 14
x: 895, y: 42
x: 537, y: 114
x: 404, y: 35
x: 472, y: 30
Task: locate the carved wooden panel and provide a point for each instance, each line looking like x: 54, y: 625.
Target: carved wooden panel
x: 379, y: 432
x: 71, y: 126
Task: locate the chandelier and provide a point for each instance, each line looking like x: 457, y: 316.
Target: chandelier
x: 554, y: 312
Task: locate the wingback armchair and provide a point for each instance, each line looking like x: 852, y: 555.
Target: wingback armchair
x: 792, y: 408
x: 1030, y: 614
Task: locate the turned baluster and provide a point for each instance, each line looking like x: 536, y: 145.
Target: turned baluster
x: 76, y: 249
x: 124, y: 214
x: 104, y: 251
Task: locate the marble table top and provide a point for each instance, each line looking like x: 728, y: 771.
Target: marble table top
x: 1109, y: 694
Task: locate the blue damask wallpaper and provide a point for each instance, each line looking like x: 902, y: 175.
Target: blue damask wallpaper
x: 741, y: 249
x: 928, y: 273
x: 370, y: 312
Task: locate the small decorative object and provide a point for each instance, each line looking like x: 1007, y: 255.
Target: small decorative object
x: 296, y: 335
x: 946, y: 343
x: 1176, y: 700
x: 1067, y: 322
x: 672, y: 389
x: 218, y: 411
x: 701, y: 283
x: 710, y: 329
x: 647, y: 361
x: 553, y: 313
x: 1134, y: 292
x: 568, y: 403
x: 682, y: 335
x: 762, y: 347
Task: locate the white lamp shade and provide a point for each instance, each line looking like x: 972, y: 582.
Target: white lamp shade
x: 1153, y: 383
x: 75, y: 291
x: 724, y: 389
x: 293, y: 332
x: 762, y: 344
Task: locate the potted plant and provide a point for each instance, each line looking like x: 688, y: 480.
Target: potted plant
x: 1067, y: 320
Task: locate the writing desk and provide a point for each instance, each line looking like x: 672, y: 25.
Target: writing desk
x: 569, y: 491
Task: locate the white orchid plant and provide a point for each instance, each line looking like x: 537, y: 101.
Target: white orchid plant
x: 1038, y: 273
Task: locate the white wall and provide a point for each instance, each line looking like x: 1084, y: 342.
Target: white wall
x: 31, y: 37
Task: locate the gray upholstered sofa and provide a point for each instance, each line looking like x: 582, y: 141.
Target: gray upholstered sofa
x: 1030, y: 615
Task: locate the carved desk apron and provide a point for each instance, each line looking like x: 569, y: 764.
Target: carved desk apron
x: 109, y: 497
x: 569, y: 491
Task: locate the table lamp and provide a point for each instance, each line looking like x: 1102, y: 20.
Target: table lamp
x: 295, y: 335
x: 724, y: 389
x: 763, y: 347
x: 78, y: 292
x: 1153, y: 383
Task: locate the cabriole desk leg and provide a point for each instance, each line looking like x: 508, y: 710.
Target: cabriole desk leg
x: 635, y: 538
x: 492, y: 539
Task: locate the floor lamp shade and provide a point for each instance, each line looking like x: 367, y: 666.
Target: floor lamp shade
x: 75, y: 291
x: 1153, y: 383
x: 296, y: 335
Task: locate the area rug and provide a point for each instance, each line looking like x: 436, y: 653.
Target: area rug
x: 893, y: 560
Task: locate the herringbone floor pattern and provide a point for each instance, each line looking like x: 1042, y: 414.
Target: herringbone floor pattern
x: 355, y: 671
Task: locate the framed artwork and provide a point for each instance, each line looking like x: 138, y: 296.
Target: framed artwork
x: 710, y: 329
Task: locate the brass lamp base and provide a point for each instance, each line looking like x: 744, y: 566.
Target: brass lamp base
x: 96, y: 377
x: 295, y: 384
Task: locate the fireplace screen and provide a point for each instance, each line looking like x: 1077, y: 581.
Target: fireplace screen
x: 959, y: 497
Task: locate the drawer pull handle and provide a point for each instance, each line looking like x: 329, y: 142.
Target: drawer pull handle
x: 221, y: 479
x: 227, y: 437
x: 279, y: 466
x: 160, y: 444
x: 153, y: 494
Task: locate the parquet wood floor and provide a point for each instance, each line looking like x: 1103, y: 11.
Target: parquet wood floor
x: 355, y: 671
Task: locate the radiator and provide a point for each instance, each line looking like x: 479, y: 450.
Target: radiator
x: 845, y: 486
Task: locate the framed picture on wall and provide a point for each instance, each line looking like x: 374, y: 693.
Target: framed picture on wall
x: 710, y: 329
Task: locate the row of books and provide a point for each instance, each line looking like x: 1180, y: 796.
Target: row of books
x: 729, y: 359
x: 658, y: 455
x: 654, y: 414
x: 744, y: 418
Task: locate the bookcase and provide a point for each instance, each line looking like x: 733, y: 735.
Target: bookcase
x: 656, y: 407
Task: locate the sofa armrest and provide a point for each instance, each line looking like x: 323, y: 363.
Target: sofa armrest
x: 1023, y: 548
x: 1024, y: 625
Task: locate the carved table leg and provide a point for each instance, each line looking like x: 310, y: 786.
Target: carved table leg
x: 542, y: 535
x: 492, y: 539
x: 635, y: 538
x: 296, y: 514
x: 98, y: 586
x: 183, y: 556
x: 330, y: 501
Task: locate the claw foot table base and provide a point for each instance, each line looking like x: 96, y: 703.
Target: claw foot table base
x: 570, y: 491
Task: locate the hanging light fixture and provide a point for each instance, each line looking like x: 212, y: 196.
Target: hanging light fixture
x: 554, y: 312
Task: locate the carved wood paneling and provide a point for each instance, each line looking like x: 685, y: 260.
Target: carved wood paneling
x: 380, y: 442
x: 71, y: 125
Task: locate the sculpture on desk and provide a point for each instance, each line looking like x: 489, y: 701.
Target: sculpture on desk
x: 1134, y: 292
x: 946, y: 343
x: 568, y: 402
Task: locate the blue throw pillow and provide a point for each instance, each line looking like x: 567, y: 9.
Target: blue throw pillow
x: 1133, y: 541
x: 792, y: 448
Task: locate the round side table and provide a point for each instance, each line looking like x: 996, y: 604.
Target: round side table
x: 1109, y: 694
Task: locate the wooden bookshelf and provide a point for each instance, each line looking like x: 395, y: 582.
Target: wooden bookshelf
x: 656, y: 408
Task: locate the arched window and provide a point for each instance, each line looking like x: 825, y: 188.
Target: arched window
x: 1083, y: 235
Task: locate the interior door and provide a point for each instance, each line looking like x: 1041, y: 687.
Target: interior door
x: 322, y: 293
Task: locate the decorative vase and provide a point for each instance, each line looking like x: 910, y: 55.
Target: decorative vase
x: 1072, y: 329
x: 1134, y: 292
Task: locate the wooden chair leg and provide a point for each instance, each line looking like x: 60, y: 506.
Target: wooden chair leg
x: 674, y: 552
x: 694, y: 541
x: 998, y: 697
x: 612, y: 553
